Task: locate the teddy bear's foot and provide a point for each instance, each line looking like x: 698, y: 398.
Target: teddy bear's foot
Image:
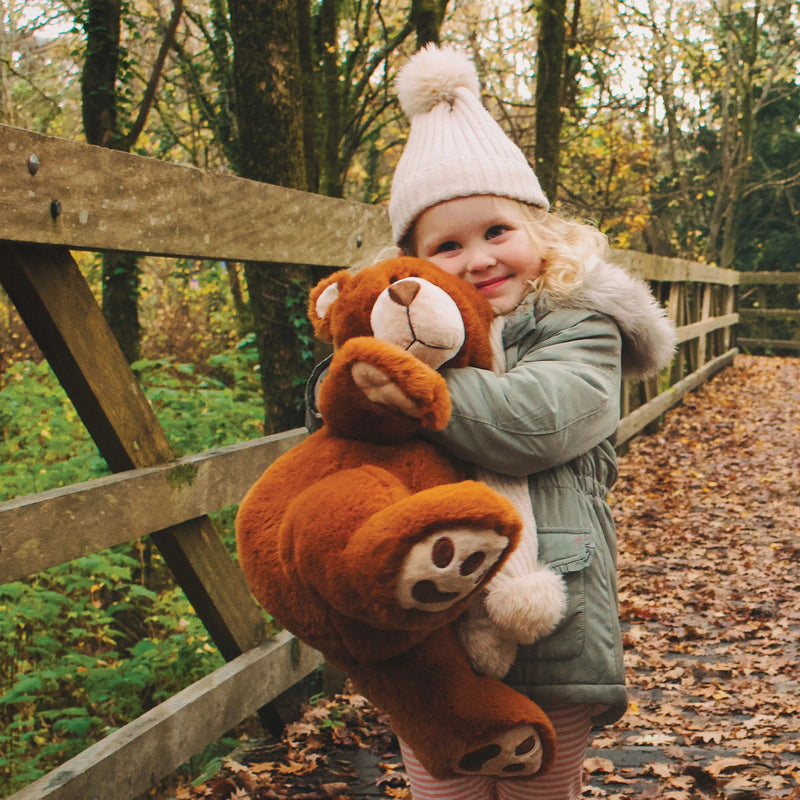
x: 446, y: 566
x: 514, y: 753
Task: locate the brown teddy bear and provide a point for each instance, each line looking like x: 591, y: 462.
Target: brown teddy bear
x: 367, y: 542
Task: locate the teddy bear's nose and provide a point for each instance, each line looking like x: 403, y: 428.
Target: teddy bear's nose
x: 404, y: 292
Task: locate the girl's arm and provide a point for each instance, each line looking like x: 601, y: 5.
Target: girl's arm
x: 561, y: 399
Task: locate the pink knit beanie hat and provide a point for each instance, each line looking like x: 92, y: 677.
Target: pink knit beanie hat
x: 455, y: 148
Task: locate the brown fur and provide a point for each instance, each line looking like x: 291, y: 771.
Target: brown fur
x: 325, y: 532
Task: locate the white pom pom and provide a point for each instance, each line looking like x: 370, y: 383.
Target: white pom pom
x: 432, y: 76
x: 527, y: 607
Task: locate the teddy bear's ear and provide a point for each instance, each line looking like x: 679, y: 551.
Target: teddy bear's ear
x: 322, y: 298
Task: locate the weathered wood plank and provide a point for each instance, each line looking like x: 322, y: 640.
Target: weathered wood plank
x: 705, y: 313
x: 55, y: 302
x: 117, y: 201
x: 637, y: 420
x: 661, y: 268
x: 129, y: 761
x: 750, y: 278
x: 769, y: 313
x: 696, y: 329
x: 88, y: 517
x: 728, y: 307
x: 782, y: 344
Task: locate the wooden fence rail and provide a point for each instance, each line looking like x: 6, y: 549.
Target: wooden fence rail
x: 769, y: 315
x: 115, y: 201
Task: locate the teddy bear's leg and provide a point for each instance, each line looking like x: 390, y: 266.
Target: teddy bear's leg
x: 455, y: 721
x: 433, y: 549
x: 382, y: 554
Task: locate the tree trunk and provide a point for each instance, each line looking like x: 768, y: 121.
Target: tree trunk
x: 101, y: 23
x: 570, y: 85
x: 306, y: 47
x: 549, y: 70
x: 99, y: 77
x: 331, y: 183
x: 244, y: 317
x: 269, y: 101
x: 427, y: 17
x: 120, y: 301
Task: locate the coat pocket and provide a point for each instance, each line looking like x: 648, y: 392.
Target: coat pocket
x: 568, y: 553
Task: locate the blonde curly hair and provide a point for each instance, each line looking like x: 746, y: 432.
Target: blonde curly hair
x: 568, y: 247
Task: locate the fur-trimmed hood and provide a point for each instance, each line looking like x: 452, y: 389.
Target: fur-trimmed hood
x: 648, y: 335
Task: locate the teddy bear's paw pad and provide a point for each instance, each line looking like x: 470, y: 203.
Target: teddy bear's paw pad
x: 445, y: 567
x: 515, y: 753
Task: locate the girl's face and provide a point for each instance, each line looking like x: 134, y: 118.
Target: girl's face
x: 482, y: 240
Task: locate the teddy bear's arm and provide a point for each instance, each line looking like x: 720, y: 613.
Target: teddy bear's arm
x: 407, y: 396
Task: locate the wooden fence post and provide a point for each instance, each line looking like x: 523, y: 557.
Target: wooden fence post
x: 58, y: 307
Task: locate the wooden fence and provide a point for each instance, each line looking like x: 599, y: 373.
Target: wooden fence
x: 765, y: 317
x: 60, y: 196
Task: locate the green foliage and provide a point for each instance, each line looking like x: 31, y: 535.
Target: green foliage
x: 43, y: 441
x: 200, y: 411
x: 45, y: 444
x: 296, y: 301
x: 87, y: 646
x: 84, y: 648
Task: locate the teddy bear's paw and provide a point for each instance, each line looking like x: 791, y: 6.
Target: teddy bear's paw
x: 514, y: 753
x: 380, y: 388
x: 447, y: 566
x: 489, y: 652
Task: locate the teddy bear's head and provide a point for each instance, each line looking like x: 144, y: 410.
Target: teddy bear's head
x: 437, y: 317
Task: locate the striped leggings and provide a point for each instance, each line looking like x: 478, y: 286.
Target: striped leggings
x: 563, y: 781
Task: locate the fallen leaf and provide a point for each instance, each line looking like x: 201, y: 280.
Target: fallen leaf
x: 335, y: 791
x: 603, y: 742
x: 739, y: 783
x: 598, y: 765
x: 654, y: 738
x: 266, y: 766
x: 296, y: 768
x: 720, y: 765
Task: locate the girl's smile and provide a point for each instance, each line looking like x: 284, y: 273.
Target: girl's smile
x: 489, y: 286
x: 483, y: 240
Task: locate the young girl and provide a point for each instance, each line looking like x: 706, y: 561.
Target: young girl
x: 569, y: 326
x: 465, y: 198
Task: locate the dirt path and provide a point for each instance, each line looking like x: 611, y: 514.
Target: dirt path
x: 709, y: 534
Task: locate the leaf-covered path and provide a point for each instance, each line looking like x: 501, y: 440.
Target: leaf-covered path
x: 708, y: 512
x: 709, y: 537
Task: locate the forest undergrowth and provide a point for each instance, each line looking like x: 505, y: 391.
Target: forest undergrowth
x: 709, y: 541
x: 88, y: 646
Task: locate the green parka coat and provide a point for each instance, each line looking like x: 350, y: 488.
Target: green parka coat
x: 552, y: 416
